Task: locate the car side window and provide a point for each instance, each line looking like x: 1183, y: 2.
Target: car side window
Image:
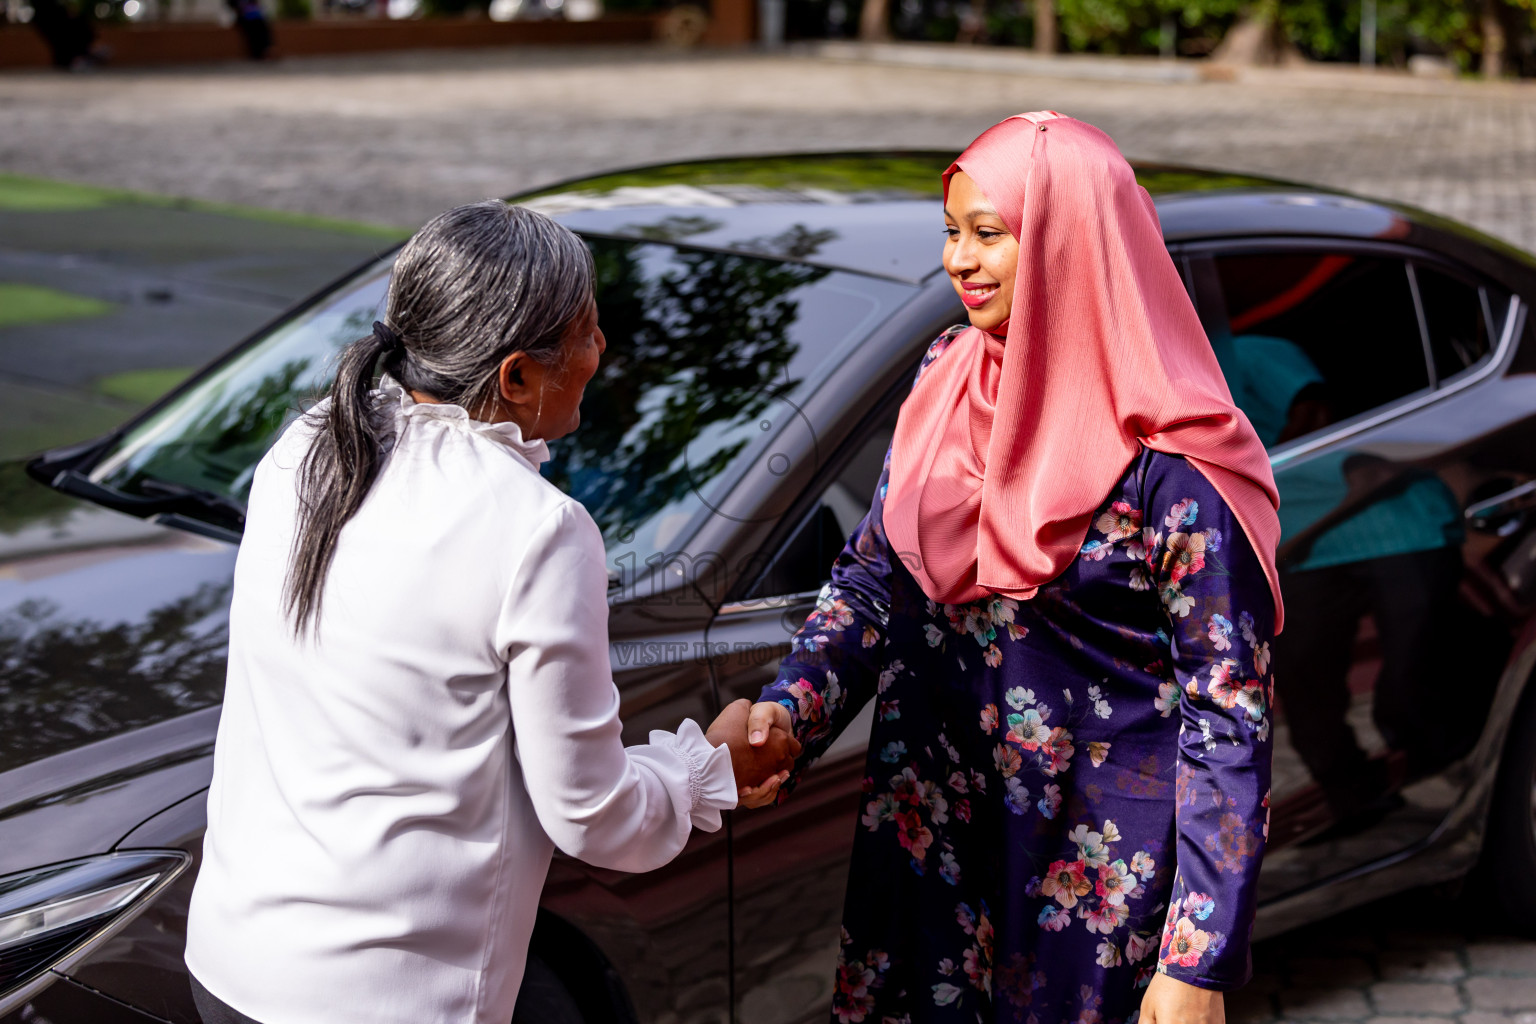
x: 1307, y: 339
x: 1457, y: 317
x: 1370, y: 553
x: 804, y: 562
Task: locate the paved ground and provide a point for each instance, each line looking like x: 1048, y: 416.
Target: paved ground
x: 394, y: 139
x: 1420, y: 958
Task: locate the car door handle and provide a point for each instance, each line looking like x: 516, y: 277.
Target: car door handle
x: 1500, y: 513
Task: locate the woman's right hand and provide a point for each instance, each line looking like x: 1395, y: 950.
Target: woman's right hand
x: 767, y: 719
x: 761, y: 760
x: 766, y: 716
x: 1171, y: 1001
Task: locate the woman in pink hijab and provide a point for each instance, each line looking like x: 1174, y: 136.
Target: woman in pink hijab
x: 1062, y: 601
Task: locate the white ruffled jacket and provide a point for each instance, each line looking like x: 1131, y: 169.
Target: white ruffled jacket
x: 386, y: 797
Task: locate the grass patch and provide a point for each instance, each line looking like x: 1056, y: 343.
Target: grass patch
x: 25, y: 194
x: 141, y: 386
x: 41, y: 195
x: 32, y: 304
x: 386, y: 232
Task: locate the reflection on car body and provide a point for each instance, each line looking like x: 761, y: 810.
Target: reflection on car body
x: 763, y: 319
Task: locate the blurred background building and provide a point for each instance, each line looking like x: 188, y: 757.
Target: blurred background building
x: 1493, y: 38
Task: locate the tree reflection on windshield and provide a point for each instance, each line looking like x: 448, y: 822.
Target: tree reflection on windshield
x: 696, y: 341
x: 66, y: 681
x: 212, y: 437
x: 223, y: 433
x: 707, y: 353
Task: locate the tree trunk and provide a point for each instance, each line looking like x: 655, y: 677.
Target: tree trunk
x: 1493, y: 40
x: 1045, y: 26
x: 874, y: 21
x: 1257, y: 40
x: 1368, y: 33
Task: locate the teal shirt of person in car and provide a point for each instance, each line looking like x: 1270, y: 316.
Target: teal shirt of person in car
x: 1413, y: 511
x: 1265, y: 375
x: 1402, y: 510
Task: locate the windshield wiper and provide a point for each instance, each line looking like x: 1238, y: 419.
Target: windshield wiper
x: 212, y: 502
x: 173, y: 504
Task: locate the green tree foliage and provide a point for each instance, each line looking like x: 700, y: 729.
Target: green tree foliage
x: 1326, y: 30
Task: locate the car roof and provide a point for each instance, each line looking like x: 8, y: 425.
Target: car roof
x: 879, y: 212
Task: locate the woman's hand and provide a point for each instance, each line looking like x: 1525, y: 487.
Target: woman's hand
x: 1170, y: 1001
x: 761, y: 767
x: 768, y: 718
x: 762, y: 796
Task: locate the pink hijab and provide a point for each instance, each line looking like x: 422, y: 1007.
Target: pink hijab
x: 1006, y: 447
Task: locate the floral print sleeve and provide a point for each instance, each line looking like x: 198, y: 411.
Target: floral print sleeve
x: 1220, y: 615
x: 837, y: 659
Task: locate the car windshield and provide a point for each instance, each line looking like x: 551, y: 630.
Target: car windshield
x: 705, y: 350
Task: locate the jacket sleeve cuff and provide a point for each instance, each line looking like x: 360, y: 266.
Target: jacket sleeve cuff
x: 1201, y: 981
x: 711, y: 780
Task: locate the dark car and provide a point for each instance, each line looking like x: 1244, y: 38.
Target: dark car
x: 764, y: 318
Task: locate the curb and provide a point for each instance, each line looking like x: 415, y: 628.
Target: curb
x: 1150, y: 70
x: 949, y: 56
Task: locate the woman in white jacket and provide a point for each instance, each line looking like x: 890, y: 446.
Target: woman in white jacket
x: 419, y: 705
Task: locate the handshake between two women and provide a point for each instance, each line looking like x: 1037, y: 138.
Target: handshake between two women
x: 763, y: 748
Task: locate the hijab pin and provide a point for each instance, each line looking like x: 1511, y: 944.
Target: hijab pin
x: 1042, y: 127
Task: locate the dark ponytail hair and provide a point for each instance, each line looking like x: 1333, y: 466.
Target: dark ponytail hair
x: 473, y: 286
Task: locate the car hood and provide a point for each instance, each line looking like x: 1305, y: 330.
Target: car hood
x: 113, y: 633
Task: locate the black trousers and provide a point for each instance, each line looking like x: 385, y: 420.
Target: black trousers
x: 1411, y: 598
x: 213, y: 1010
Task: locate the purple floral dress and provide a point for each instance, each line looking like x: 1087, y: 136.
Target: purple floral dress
x: 1064, y: 794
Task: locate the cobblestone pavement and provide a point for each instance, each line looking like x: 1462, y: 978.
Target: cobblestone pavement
x: 1417, y: 958
x: 395, y: 138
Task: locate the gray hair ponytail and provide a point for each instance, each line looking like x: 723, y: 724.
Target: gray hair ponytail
x: 470, y: 288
